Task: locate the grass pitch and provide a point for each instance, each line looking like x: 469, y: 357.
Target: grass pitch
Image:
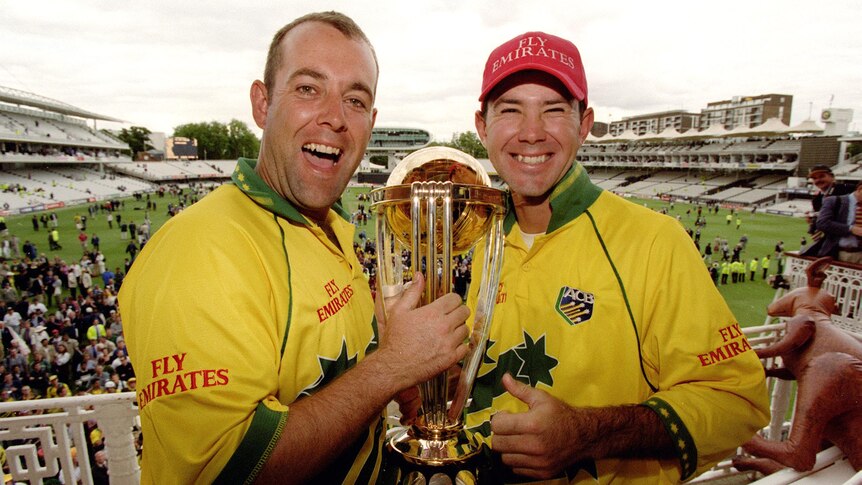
x: 747, y: 300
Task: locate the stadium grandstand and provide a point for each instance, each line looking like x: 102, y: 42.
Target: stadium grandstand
x: 34, y: 128
x: 50, y: 156
x: 388, y: 145
x: 397, y: 138
x: 746, y: 167
x: 177, y: 171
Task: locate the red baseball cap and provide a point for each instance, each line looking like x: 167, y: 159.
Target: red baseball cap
x: 539, y: 51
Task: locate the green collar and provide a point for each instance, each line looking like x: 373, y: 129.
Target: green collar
x: 250, y: 183
x: 572, y: 195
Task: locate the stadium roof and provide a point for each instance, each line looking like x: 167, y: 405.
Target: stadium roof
x: 742, y: 130
x: 716, y: 129
x: 668, y: 133
x: 807, y: 126
x: 16, y: 96
x: 629, y: 134
x: 770, y: 126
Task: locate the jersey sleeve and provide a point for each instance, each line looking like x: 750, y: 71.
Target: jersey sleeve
x: 205, y: 333
x: 711, y: 391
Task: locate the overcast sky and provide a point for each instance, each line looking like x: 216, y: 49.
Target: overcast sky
x: 162, y: 63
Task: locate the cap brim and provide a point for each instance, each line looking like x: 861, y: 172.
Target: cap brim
x: 534, y: 66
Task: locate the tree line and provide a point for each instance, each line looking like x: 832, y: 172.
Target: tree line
x: 216, y: 141
x: 220, y: 141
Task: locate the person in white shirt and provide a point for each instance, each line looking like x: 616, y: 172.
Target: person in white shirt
x: 36, y: 305
x: 12, y: 319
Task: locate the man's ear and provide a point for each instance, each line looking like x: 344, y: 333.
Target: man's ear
x: 479, y: 120
x: 259, y: 103
x: 586, y: 124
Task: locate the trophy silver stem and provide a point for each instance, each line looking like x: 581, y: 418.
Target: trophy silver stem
x: 437, y: 216
x: 492, y: 263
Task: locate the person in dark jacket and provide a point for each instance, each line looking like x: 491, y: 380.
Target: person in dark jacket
x: 840, y: 220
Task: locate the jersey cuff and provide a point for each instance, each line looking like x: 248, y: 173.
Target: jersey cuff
x: 683, y: 442
x: 257, y: 444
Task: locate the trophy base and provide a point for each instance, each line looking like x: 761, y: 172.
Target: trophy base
x: 411, y: 459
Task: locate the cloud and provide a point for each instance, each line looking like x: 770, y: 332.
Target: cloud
x: 161, y: 63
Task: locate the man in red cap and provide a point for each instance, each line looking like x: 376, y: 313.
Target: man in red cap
x: 612, y: 356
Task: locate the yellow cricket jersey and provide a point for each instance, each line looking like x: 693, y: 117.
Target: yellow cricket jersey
x: 613, y: 306
x: 237, y: 307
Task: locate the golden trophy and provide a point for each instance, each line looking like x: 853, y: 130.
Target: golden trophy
x: 438, y: 203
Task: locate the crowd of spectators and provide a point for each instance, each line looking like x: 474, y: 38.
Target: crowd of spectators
x: 77, y: 348
x: 728, y: 264
x: 56, y: 346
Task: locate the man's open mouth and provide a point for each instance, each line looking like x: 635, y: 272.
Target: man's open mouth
x: 323, y: 151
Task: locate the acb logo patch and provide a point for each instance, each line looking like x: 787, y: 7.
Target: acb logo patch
x: 574, y: 305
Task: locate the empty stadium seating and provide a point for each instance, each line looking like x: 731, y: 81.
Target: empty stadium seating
x: 177, y: 170
x: 54, y: 129
x: 35, y: 187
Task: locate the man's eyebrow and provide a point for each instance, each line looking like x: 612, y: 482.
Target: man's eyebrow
x: 305, y: 71
x: 360, y: 86
x: 502, y: 100
x: 519, y: 102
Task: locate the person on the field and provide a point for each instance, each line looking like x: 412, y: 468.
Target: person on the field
x: 739, y: 270
x: 713, y: 272
x: 248, y: 319
x: 613, y: 357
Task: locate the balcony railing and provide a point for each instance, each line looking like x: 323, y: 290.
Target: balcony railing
x: 843, y: 281
x: 42, y: 432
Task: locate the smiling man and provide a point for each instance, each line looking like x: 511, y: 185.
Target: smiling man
x: 823, y: 179
x: 611, y: 357
x: 248, y: 319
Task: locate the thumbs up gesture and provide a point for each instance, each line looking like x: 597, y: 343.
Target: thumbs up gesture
x: 540, y: 442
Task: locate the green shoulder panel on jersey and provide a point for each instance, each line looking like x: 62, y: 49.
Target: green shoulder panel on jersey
x: 257, y: 444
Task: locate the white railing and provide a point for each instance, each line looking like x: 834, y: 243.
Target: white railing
x: 51, y: 427
x: 843, y: 281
